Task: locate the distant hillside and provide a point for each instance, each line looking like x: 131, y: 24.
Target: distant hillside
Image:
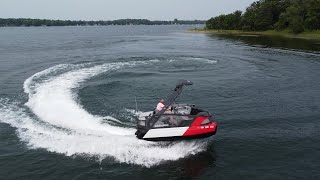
x: 294, y: 15
x: 46, y: 22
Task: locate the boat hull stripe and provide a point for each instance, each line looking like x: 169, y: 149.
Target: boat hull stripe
x: 165, y: 132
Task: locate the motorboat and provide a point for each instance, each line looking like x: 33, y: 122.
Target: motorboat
x: 175, y: 121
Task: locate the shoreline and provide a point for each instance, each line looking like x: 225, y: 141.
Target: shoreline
x: 314, y: 35
x: 103, y: 25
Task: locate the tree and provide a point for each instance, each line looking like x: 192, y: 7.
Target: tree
x: 250, y: 16
x: 264, y: 17
x: 312, y: 21
x: 230, y: 21
x: 294, y: 16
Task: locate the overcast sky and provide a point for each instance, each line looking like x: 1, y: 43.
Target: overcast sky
x: 119, y: 9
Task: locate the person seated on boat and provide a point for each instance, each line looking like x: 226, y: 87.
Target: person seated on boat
x: 161, y: 105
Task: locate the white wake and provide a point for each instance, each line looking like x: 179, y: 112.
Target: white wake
x: 63, y: 126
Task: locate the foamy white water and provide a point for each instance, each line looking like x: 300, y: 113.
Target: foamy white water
x: 204, y: 60
x: 64, y: 126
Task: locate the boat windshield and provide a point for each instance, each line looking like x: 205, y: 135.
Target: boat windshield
x: 179, y: 115
x: 174, y: 120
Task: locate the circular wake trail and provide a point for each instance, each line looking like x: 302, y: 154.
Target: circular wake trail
x: 62, y: 125
x: 54, y: 101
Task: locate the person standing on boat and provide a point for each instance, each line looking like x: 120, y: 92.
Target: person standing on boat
x: 160, y: 105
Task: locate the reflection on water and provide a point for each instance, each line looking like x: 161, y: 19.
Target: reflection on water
x: 273, y: 41
x: 191, y: 167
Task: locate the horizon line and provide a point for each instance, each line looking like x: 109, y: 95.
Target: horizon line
x: 101, y: 20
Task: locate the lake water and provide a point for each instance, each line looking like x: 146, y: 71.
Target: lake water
x: 67, y: 100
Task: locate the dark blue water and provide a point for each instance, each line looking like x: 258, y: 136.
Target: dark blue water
x: 67, y: 100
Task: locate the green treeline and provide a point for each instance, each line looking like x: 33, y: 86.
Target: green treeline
x: 294, y: 15
x: 46, y: 22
